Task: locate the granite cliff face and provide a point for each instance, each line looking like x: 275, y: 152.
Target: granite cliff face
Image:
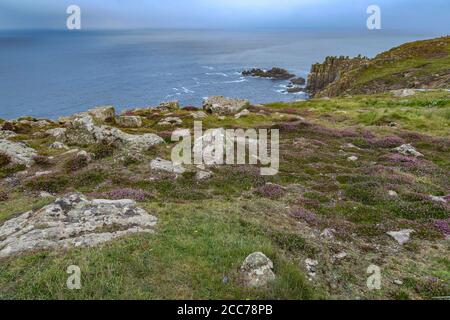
x: 331, y: 70
x: 417, y: 65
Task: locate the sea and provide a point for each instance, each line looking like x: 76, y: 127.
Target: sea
x: 49, y: 73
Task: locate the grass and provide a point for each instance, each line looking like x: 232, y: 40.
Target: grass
x: 206, y: 229
x: 205, y: 241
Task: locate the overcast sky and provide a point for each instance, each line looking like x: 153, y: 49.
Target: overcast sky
x: 397, y: 15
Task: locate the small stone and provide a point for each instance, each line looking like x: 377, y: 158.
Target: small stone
x: 103, y: 113
x: 203, y: 175
x: 438, y: 199
x: 408, y: 150
x: 401, y: 236
x: 198, y: 115
x: 352, y: 158
x: 340, y: 255
x: 402, y: 93
x: 43, y: 173
x: 58, y: 145
x: 398, y: 282
x: 159, y: 164
x: 243, y: 113
x: 392, y: 194
x: 328, y: 233
x: 311, y: 266
x: 256, y: 270
x: 129, y: 121
x: 44, y: 194
x: 170, y: 121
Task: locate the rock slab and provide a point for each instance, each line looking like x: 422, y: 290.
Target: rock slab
x: 73, y: 221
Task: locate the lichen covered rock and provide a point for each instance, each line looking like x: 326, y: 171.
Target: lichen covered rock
x: 73, y: 221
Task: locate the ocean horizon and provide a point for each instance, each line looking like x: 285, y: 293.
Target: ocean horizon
x: 48, y: 73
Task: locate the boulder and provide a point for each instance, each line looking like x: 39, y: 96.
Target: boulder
x: 170, y: 121
x: 257, y: 271
x: 408, y: 150
x: 58, y: 145
x: 402, y: 93
x: 129, y: 121
x: 169, y: 106
x: 401, y: 236
x: 73, y: 221
x: 83, y: 131
x: 159, y: 164
x: 203, y: 175
x: 102, y: 113
x: 198, y: 115
x: 56, y: 133
x: 18, y: 152
x: 224, y: 106
x: 311, y: 266
x: 243, y: 113
x: 5, y: 134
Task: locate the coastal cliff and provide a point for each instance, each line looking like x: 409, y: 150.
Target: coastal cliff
x: 417, y: 65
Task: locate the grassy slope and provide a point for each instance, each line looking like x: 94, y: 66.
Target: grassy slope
x: 206, y: 229
x: 425, y: 62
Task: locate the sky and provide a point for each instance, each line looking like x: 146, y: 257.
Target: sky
x: 397, y: 15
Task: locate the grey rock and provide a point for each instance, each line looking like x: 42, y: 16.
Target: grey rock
x: 73, y: 221
x: 243, y: 113
x: 129, y: 121
x: 84, y: 131
x: 402, y: 93
x: 198, y: 115
x: 19, y: 152
x: 401, y: 236
x: 170, y: 121
x: 224, y: 106
x: 203, y: 175
x: 5, y: 134
x: 257, y: 270
x: 408, y: 150
x: 159, y: 164
x: 311, y: 267
x: 169, y: 106
x: 58, y: 145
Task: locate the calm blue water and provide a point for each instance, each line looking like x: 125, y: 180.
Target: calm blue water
x: 53, y: 73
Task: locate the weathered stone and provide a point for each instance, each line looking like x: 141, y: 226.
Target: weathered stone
x: 84, y: 131
x: 401, y: 236
x: 408, y: 150
x: 243, y: 113
x: 58, y: 145
x: 103, y: 113
x: 56, y: 133
x: 352, y: 158
x: 170, y: 121
x: 5, y: 134
x: 169, y: 106
x: 257, y: 271
x: 402, y: 93
x: 18, y: 152
x: 198, y: 115
x: 159, y: 164
x: 129, y: 121
x: 311, y: 267
x: 224, y: 106
x: 203, y: 175
x: 392, y: 194
x: 73, y: 221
